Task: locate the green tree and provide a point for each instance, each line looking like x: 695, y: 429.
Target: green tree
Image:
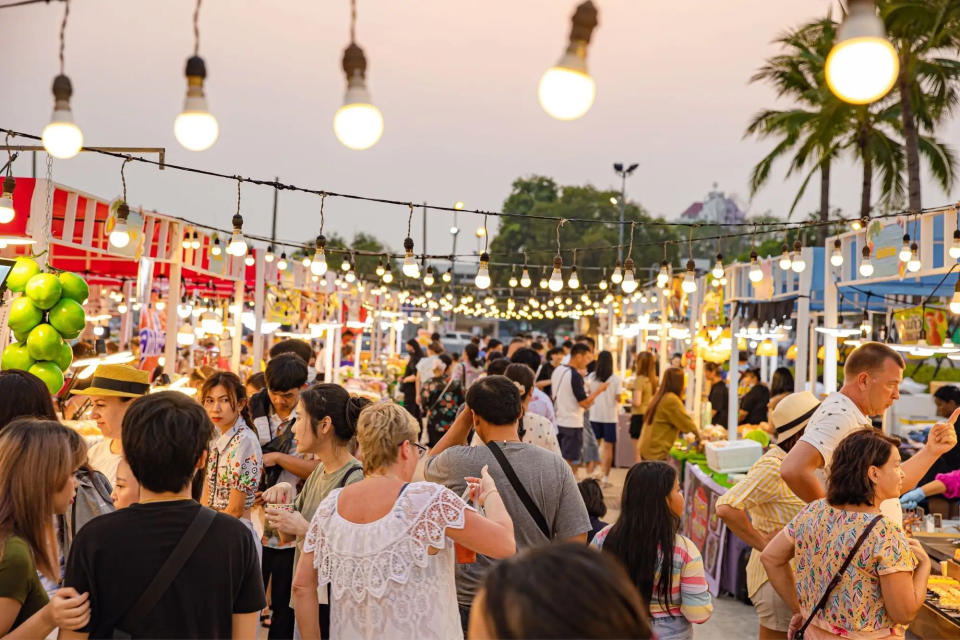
x: 925, y: 32
x: 597, y: 243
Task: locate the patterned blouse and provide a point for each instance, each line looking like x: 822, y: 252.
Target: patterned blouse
x: 441, y: 411
x: 235, y: 461
x: 822, y: 536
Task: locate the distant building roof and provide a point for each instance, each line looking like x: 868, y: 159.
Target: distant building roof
x: 718, y: 208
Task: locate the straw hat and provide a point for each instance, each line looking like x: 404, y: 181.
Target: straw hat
x: 118, y: 381
x: 793, y: 413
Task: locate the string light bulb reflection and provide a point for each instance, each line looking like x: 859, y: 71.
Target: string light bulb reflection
x: 566, y: 90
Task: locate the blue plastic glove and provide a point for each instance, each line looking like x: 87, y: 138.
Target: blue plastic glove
x: 910, y: 499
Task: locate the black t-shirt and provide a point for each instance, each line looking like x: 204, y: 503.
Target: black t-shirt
x: 755, y: 402
x: 719, y: 397
x: 546, y: 372
x: 116, y: 555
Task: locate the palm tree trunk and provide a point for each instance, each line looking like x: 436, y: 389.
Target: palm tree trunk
x: 824, y: 201
x: 867, y: 159
x: 909, y: 135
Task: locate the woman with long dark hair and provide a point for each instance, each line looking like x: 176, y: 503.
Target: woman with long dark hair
x: 666, y: 417
x: 468, y: 368
x: 644, y: 386
x: 409, y: 380
x: 605, y: 408
x: 665, y: 566
x: 32, y: 397
x: 781, y: 385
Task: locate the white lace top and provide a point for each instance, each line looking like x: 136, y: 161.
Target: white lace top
x: 384, y: 582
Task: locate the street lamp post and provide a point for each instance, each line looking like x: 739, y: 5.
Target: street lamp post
x: 623, y: 173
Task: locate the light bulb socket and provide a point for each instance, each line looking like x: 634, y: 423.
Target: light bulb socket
x: 408, y: 244
x: 913, y: 247
x: 123, y: 211
x: 485, y: 258
x: 837, y: 244
x: 9, y: 184
x: 557, y: 262
x: 865, y: 252
x: 62, y: 91
x: 797, y: 246
x: 196, y: 70
x: 691, y: 266
x: 583, y: 22
x: 906, y: 238
x: 354, y: 63
x: 719, y: 257
x: 628, y: 263
x: 237, y: 222
x: 753, y: 254
x: 320, y: 242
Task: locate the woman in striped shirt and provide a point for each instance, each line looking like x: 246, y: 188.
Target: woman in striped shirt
x: 649, y: 520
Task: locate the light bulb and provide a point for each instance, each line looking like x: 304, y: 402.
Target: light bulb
x: 856, y: 225
x: 161, y: 305
x: 388, y: 275
x: 249, y: 260
x: 617, y: 276
x: 574, y: 281
x: 358, y: 124
x: 629, y: 283
x: 305, y: 261
x: 718, y: 268
x: 866, y: 266
x: 6, y: 200
x: 836, y: 257
x: 914, y: 263
x: 282, y: 262
x: 663, y: 277
x: 184, y: 309
x: 216, y: 249
x: 543, y: 283
x: 238, y: 245
x: 410, y: 267
x: 120, y: 236
x: 136, y: 306
x: 318, y: 266
x: 863, y: 65
x: 62, y: 138
x: 483, y: 275
x: 798, y: 264
x: 602, y: 285
x: 689, y: 284
x: 351, y: 276
x: 525, y: 278
x: 756, y: 273
x: 785, y: 261
x: 380, y: 268
x: 904, y: 254
x: 268, y: 256
x: 556, y: 278
x: 955, y: 300
x: 865, y: 326
x: 345, y: 264
x: 954, y: 250
x: 447, y: 276
x: 195, y: 128
x: 512, y: 282
x: 121, y: 308
x: 566, y: 90
x: 428, y: 278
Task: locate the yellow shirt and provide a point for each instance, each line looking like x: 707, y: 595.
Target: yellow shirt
x: 669, y: 419
x: 769, y: 502
x: 642, y: 384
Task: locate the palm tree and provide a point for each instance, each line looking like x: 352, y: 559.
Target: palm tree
x: 923, y: 30
x: 812, y: 132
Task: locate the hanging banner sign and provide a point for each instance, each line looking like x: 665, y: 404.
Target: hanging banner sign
x: 885, y: 243
x: 909, y: 322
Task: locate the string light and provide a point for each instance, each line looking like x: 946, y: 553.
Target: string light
x: 913, y: 264
x: 866, y: 266
x: 566, y: 90
x: 428, y: 278
x: 120, y: 235
x: 556, y: 278
x: 954, y: 250
x: 836, y: 256
x: 9, y: 184
x: 863, y: 65
x: 785, y: 261
x: 756, y: 273
x: 689, y: 284
x: 380, y: 269
x: 543, y: 284
x: 345, y: 263
x: 629, y: 283
x: 410, y: 267
x: 238, y: 245
x: 905, y: 249
x: 866, y: 328
x: 249, y: 260
x: 282, y: 262
x: 447, y: 275
x: 718, y: 268
x: 798, y: 264
x: 574, y: 280
x: 387, y: 274
x: 195, y: 128
x: 350, y: 276
x: 305, y: 261
x: 483, y: 275
x: 268, y: 256
x: 358, y: 124
x: 525, y: 276
x: 62, y: 138
x: 617, y: 276
x: 602, y: 285
x: 512, y: 282
x: 955, y: 300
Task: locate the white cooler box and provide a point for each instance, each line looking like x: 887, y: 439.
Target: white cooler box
x: 724, y: 456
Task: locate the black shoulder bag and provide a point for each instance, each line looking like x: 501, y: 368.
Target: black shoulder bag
x: 166, y: 575
x: 836, y: 578
x: 519, y: 489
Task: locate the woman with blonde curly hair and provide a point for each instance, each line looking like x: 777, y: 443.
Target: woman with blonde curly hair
x: 387, y: 547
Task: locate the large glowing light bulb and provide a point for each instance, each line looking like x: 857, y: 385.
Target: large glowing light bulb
x: 120, y: 236
x: 574, y: 281
x: 318, y: 266
x: 483, y: 275
x: 410, y: 267
x: 798, y: 264
x: 556, y: 278
x: 863, y: 65
x: 195, y: 128
x: 756, y: 273
x: 6, y: 200
x: 866, y: 266
x: 358, y: 124
x: 566, y: 90
x: 836, y: 257
x: 629, y: 283
x: 663, y: 277
x: 718, y: 268
x: 689, y: 284
x: 62, y: 138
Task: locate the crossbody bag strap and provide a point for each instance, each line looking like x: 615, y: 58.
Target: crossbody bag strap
x: 518, y: 487
x: 346, y: 476
x: 437, y: 400
x: 555, y: 391
x: 839, y: 575
x: 167, y: 573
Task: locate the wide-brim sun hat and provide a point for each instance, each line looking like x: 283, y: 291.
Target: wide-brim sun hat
x: 117, y: 381
x: 793, y: 413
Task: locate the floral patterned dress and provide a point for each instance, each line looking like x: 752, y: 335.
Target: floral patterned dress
x: 440, y: 398
x: 822, y: 537
x: 235, y: 461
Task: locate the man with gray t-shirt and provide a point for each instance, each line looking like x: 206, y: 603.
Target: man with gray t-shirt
x: 493, y: 409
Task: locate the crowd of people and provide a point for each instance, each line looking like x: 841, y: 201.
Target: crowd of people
x: 287, y: 503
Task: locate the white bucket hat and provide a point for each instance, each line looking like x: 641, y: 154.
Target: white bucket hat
x: 793, y: 413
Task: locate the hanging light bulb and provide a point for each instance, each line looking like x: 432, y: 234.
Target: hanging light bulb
x: 318, y: 266
x: 380, y: 269
x: 798, y: 264
x: 543, y: 284
x: 525, y: 277
x: 120, y: 236
x: 866, y: 266
x: 556, y: 278
x: 905, y: 248
x: 62, y: 138
x: 602, y: 284
x: 195, y: 128
x: 663, y: 277
x: 483, y: 275
x: 863, y: 65
x: 689, y: 284
x: 268, y: 256
x: 756, y: 273
x: 350, y: 276
x: 785, y: 261
x: 955, y: 300
x: 305, y: 261
x: 358, y: 124
x: 387, y: 274
x: 249, y: 260
x: 410, y: 267
x: 216, y: 249
x: 836, y: 257
x: 574, y: 281
x: 345, y: 263
x: 866, y: 328
x: 122, y: 307
x: 447, y: 275
x: 629, y: 283
x: 6, y: 200
x: 161, y: 305
x: 184, y: 309
x: 954, y: 250
x: 617, y: 276
x: 238, y: 245
x: 718, y: 268
x: 566, y: 90
x: 428, y: 279
x: 914, y: 262
x: 282, y: 262
x: 856, y: 225
x: 197, y: 243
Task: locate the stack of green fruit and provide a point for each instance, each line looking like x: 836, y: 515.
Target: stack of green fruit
x: 49, y: 313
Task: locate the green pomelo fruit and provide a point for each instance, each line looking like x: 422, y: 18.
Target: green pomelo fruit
x: 23, y: 269
x: 44, y: 289
x: 67, y: 317
x: 50, y: 373
x: 24, y: 315
x: 16, y: 356
x: 74, y: 287
x: 44, y: 342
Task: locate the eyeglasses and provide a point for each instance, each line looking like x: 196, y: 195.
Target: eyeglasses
x: 421, y: 450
